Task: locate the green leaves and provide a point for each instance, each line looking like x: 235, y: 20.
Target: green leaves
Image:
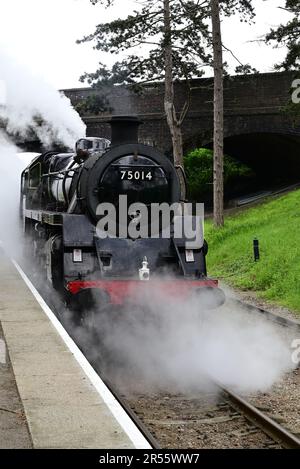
x: 141, y: 33
x: 288, y: 35
x: 198, y: 165
x: 94, y: 104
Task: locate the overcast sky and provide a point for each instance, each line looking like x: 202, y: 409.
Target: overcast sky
x: 42, y: 34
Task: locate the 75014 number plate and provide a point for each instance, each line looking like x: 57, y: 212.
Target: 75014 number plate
x: 136, y: 175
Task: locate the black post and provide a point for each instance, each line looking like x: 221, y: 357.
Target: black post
x: 256, y: 249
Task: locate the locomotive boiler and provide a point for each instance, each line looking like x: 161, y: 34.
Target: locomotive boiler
x: 60, y: 198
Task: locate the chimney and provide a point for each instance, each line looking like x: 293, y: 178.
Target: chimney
x: 124, y: 129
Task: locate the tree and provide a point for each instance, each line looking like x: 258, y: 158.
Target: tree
x: 218, y: 115
x: 244, y: 7
x: 173, y: 121
x: 178, y: 37
x: 289, y: 36
x: 175, y: 36
x: 93, y: 104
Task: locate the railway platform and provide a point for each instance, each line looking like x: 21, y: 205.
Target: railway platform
x: 50, y: 396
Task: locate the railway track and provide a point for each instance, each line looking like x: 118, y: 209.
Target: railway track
x: 187, y: 421
x: 281, y: 321
x: 261, y: 420
x: 235, y: 419
x: 221, y: 419
x: 216, y: 419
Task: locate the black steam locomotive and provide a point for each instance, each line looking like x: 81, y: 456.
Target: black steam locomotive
x: 60, y: 197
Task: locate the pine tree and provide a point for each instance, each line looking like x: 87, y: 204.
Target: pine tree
x: 175, y: 40
x: 174, y: 36
x: 288, y: 35
x: 218, y: 115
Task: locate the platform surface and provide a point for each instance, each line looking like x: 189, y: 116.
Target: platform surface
x: 13, y: 426
x: 61, y: 406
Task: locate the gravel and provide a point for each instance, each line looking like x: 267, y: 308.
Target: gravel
x: 202, y: 421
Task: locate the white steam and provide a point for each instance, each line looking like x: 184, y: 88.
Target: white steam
x: 180, y: 347
x: 10, y: 172
x: 29, y: 104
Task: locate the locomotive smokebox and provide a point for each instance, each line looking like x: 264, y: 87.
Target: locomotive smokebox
x: 124, y: 129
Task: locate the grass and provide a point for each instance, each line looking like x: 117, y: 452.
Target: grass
x: 276, y: 276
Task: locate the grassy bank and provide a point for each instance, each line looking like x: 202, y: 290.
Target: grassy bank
x: 276, y: 277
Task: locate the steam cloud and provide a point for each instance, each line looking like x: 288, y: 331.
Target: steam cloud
x: 29, y: 104
x: 181, y: 347
x: 10, y: 170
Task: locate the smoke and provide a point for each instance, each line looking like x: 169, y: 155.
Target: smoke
x: 182, y: 347
x: 10, y: 170
x: 29, y: 105
x: 29, y: 108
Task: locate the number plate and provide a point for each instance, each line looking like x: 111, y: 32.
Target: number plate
x: 136, y: 175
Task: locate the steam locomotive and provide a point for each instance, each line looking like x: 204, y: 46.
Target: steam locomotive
x: 59, y: 208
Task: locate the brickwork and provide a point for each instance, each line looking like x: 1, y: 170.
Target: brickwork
x: 253, y: 104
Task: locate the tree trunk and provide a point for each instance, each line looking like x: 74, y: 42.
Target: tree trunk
x: 173, y: 123
x: 218, y: 115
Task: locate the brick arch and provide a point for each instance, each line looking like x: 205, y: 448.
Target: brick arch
x: 273, y: 156
x: 241, y: 125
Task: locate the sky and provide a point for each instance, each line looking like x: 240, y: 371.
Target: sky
x: 42, y: 35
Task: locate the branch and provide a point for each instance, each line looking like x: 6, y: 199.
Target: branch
x: 185, y: 108
x: 286, y: 9
x: 196, y: 6
x: 234, y: 56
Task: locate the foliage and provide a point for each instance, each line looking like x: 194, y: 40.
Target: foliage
x: 143, y: 31
x: 292, y: 111
x: 276, y: 276
x: 288, y: 35
x: 199, y: 170
x: 245, y: 69
x: 94, y: 104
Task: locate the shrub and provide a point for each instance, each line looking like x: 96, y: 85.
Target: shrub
x: 199, y: 170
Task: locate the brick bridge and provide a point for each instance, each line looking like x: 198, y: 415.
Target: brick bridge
x: 257, y: 130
